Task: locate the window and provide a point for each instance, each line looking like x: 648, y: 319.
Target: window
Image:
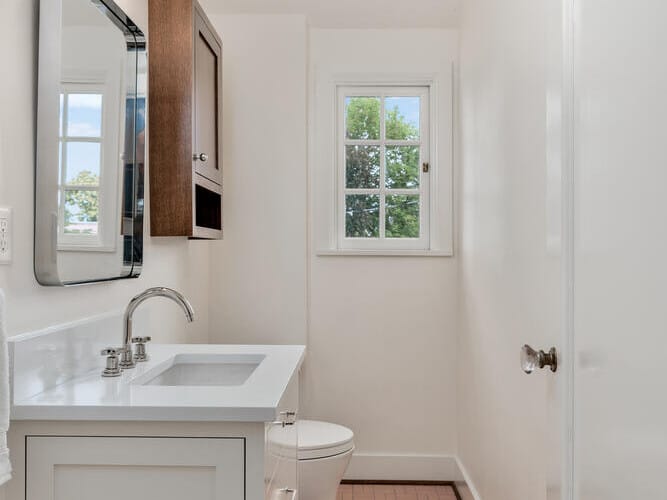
x: 383, y: 199
x: 381, y: 157
x: 81, y: 139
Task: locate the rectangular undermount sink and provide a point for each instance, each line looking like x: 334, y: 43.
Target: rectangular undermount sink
x: 206, y: 370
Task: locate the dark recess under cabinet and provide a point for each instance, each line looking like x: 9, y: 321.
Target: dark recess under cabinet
x: 207, y: 208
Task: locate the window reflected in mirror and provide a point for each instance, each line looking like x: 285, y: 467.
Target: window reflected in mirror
x: 90, y: 156
x: 81, y: 109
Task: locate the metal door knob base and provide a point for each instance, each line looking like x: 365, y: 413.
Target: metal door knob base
x: 532, y: 359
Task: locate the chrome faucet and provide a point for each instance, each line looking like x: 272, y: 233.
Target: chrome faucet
x: 128, y: 360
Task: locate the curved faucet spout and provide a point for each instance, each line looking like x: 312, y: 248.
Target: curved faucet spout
x: 126, y: 358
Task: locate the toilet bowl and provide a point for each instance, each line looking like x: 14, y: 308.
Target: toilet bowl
x: 324, y: 452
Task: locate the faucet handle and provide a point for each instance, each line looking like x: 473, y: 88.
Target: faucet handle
x: 140, y: 353
x: 141, y: 340
x: 112, y: 369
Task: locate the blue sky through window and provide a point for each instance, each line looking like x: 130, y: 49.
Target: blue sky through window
x: 82, y: 156
x: 408, y: 107
x: 84, y: 115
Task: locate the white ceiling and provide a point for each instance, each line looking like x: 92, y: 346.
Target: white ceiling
x: 350, y: 13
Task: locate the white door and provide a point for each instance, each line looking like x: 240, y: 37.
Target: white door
x: 109, y: 468
x: 620, y: 249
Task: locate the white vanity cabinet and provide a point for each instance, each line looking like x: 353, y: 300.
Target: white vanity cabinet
x: 95, y: 438
x: 134, y: 468
x: 139, y: 460
x: 63, y: 460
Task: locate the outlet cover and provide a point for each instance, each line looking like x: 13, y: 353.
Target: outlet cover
x: 5, y: 235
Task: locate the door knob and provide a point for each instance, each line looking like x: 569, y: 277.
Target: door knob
x: 531, y: 359
x: 200, y: 156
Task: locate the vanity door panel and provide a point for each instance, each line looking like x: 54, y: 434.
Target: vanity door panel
x: 108, y: 468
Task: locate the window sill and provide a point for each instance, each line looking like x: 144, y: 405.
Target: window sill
x: 382, y: 253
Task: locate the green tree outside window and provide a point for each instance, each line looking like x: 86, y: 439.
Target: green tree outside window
x: 363, y: 171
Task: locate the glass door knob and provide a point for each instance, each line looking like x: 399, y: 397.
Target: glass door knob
x: 532, y: 359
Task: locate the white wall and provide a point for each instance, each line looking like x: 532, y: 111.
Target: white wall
x: 171, y: 262
x: 368, y: 361
x: 382, y: 336
x: 509, y: 282
x: 258, y: 272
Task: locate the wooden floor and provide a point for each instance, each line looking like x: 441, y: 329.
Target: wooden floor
x: 394, y: 492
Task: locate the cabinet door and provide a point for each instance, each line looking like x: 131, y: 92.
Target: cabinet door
x: 207, y: 129
x: 108, y: 468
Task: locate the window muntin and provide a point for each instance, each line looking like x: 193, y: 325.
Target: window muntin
x: 383, y: 200
x: 81, y: 165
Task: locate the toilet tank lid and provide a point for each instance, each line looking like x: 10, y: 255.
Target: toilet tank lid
x: 312, y: 435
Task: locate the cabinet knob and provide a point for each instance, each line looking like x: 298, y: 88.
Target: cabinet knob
x: 200, y: 156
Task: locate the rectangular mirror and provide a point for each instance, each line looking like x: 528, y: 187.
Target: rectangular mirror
x: 89, y: 176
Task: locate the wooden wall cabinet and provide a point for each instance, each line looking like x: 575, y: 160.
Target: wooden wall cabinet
x: 185, y: 121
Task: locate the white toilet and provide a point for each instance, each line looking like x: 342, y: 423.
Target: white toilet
x: 324, y: 452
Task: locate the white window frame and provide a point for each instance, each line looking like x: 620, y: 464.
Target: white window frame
x: 324, y: 180
x: 80, y: 241
x: 423, y: 190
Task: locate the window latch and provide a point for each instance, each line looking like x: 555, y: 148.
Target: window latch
x: 425, y: 167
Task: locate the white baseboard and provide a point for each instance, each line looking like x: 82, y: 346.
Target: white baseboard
x: 465, y: 486
x: 403, y: 467
x: 464, y: 491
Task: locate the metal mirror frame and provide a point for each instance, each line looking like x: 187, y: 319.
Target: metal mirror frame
x: 46, y: 233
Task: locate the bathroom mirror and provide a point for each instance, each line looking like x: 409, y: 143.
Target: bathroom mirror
x: 89, y: 192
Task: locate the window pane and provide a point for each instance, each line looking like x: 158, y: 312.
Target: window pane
x: 362, y: 117
x: 362, y: 167
x: 84, y: 115
x: 81, y: 212
x: 83, y: 163
x: 402, y: 118
x: 402, y: 216
x: 362, y: 216
x: 402, y: 167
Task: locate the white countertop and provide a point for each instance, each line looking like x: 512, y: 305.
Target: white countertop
x: 92, y: 397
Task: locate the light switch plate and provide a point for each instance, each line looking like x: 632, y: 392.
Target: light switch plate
x: 5, y: 235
